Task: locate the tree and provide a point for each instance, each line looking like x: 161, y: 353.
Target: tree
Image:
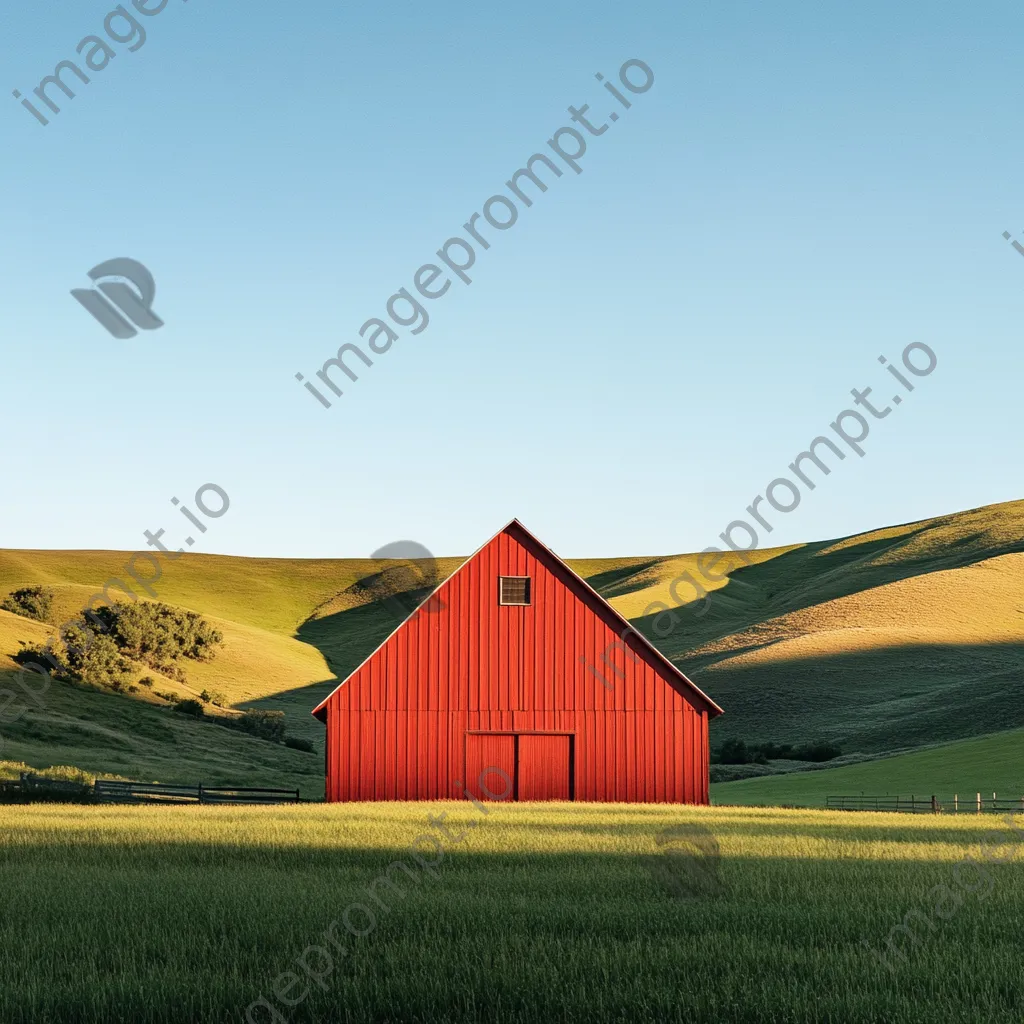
x: 31, y: 602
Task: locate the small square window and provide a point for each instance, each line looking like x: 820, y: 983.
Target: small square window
x: 514, y: 590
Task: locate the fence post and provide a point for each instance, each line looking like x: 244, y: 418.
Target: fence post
x: 956, y: 803
x: 993, y: 801
x: 935, y: 805
x: 200, y: 792
x: 978, y: 796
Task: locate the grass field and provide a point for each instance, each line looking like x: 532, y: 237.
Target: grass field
x: 539, y: 913
x: 983, y: 765
x: 892, y: 639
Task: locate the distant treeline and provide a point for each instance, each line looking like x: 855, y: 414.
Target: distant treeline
x: 738, y: 752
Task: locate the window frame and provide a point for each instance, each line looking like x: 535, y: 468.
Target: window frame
x: 515, y: 604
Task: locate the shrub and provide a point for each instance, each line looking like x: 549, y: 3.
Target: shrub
x: 159, y: 635
x: 188, y: 706
x: 268, y: 725
x: 46, y: 658
x: 82, y: 655
x: 67, y: 773
x: 297, y: 743
x: 30, y: 602
x: 93, y: 657
x: 775, y: 751
x: 820, y: 750
x: 734, y: 752
x: 96, y: 647
x: 133, y: 688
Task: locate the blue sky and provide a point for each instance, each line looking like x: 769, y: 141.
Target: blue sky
x: 804, y: 188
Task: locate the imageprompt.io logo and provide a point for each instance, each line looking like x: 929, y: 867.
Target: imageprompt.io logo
x: 120, y: 303
x: 408, y: 572
x: 688, y: 862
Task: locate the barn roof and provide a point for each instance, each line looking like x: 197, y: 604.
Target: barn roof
x: 642, y: 643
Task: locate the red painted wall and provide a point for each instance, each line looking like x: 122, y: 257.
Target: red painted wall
x: 406, y: 725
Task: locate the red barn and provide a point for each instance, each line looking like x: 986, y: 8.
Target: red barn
x: 516, y: 680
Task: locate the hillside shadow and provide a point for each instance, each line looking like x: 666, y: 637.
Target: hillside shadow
x: 622, y: 581
x: 872, y: 701
x: 802, y: 578
x: 346, y: 638
x: 297, y: 705
x: 101, y: 731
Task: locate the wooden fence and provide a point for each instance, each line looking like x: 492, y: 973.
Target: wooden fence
x: 32, y: 787
x: 973, y: 803
x: 155, y: 792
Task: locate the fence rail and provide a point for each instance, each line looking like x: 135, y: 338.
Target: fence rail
x: 154, y: 792
x: 31, y: 787
x: 958, y: 803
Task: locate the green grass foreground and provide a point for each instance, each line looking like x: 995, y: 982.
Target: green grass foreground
x: 540, y: 913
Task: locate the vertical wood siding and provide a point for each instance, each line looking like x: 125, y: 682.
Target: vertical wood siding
x: 542, y: 767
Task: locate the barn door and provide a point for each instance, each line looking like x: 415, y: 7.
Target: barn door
x: 544, y: 768
x: 490, y: 766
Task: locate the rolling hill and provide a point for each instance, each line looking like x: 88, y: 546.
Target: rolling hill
x: 896, y: 638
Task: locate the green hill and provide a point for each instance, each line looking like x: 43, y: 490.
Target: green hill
x: 986, y: 765
x: 895, y: 638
